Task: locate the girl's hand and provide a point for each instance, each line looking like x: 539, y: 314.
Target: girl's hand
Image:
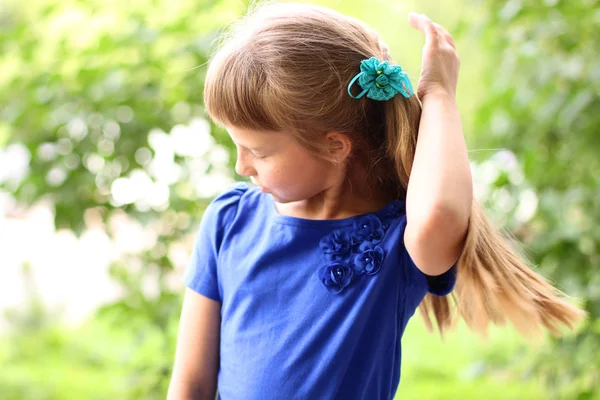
x: 440, y: 64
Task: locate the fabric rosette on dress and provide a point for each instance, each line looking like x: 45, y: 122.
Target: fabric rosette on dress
x: 354, y: 253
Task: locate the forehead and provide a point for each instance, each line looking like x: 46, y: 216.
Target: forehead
x: 257, y: 138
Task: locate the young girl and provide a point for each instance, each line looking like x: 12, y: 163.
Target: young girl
x: 301, y: 287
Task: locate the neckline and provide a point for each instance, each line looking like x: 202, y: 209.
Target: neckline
x: 329, y: 223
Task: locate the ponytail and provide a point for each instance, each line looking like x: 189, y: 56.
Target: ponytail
x: 494, y: 284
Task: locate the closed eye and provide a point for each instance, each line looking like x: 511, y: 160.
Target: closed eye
x: 259, y: 156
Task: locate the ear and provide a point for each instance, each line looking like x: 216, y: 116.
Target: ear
x: 339, y: 146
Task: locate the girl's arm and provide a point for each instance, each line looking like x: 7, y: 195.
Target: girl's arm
x: 197, y: 355
x: 440, y: 190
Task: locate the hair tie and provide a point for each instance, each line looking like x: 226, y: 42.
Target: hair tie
x: 381, y: 81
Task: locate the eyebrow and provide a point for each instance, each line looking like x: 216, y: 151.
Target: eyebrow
x: 246, y: 146
x: 253, y: 148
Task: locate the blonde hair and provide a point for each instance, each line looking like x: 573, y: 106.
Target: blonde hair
x: 286, y: 67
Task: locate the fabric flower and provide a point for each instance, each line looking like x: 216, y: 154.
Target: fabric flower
x: 353, y: 251
x: 393, y: 210
x: 381, y: 81
x: 368, y: 228
x: 336, y: 276
x: 337, y: 245
x: 369, y: 260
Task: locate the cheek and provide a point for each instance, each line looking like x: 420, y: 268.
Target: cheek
x: 295, y: 174
x: 316, y: 168
x: 269, y: 173
x: 312, y: 175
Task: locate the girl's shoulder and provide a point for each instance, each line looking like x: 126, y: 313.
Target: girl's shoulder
x: 238, y: 193
x: 231, y: 195
x: 224, y: 208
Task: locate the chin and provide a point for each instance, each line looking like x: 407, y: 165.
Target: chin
x: 288, y: 199
x: 287, y: 196
x: 277, y: 198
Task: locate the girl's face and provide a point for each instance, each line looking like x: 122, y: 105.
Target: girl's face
x: 277, y: 163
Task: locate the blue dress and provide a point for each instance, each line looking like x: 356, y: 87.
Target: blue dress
x: 311, y: 309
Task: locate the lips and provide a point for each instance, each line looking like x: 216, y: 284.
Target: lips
x: 262, y: 188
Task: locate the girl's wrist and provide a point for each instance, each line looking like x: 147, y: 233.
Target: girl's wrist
x: 439, y: 94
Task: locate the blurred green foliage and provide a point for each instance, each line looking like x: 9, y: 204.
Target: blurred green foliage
x: 83, y: 84
x: 543, y: 104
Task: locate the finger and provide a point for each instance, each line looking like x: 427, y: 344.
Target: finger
x: 425, y: 26
x: 445, y: 34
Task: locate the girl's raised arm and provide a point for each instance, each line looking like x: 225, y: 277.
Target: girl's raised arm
x: 446, y: 225
x: 440, y: 189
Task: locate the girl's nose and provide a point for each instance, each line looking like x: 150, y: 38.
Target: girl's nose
x: 243, y: 167
x: 240, y: 168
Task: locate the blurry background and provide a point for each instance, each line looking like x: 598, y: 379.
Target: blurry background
x: 107, y: 162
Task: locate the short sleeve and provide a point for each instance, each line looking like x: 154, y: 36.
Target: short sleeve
x: 201, y: 274
x: 440, y: 285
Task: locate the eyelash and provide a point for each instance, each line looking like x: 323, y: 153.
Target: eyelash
x: 258, y: 157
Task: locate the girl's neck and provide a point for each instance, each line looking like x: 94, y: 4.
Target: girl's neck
x: 337, y: 202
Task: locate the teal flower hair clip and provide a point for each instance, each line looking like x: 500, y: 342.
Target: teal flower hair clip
x: 381, y: 81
